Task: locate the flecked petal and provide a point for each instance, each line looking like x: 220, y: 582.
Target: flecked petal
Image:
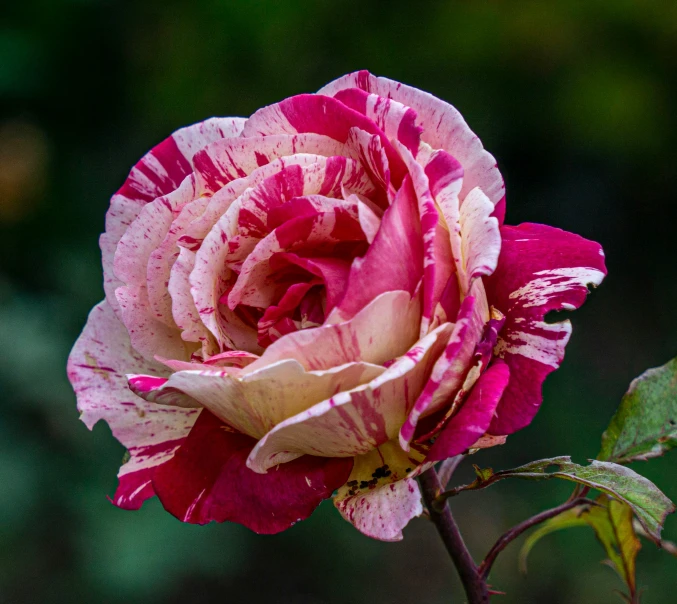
x: 540, y: 269
x: 152, y: 433
x: 354, y: 421
x: 380, y: 496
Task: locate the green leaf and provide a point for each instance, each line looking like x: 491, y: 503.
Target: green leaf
x: 623, y: 548
x: 667, y: 546
x: 647, y: 501
x: 568, y: 519
x: 645, y: 424
x: 612, y: 522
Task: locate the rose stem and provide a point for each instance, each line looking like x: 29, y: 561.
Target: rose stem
x: 518, y: 529
x: 474, y: 584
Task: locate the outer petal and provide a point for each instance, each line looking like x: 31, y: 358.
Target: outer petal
x: 471, y: 422
x: 443, y: 128
x: 152, y: 433
x: 354, y: 422
x: 253, y: 403
x: 380, y: 496
x: 157, y: 173
x: 162, y: 260
x: 208, y: 480
x: 149, y: 337
x: 147, y: 232
x: 540, y: 269
x: 151, y: 388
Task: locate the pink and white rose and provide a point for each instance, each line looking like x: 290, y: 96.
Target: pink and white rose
x: 319, y: 299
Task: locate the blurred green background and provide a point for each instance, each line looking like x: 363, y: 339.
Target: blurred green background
x: 578, y: 102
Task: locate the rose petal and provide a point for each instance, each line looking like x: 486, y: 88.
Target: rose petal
x: 394, y: 261
x: 150, y: 388
x: 438, y: 265
x: 322, y: 115
x: 157, y: 173
x: 445, y: 178
x: 207, y: 480
x: 451, y: 367
x: 397, y: 121
x: 226, y: 160
x: 354, y: 421
x: 221, y: 200
x: 443, y: 128
x: 540, y: 269
x: 149, y: 336
x: 480, y: 238
x: 185, y: 312
x: 474, y: 417
x: 256, y: 401
x: 162, y: 260
x: 369, y: 149
x: 96, y: 368
x: 367, y: 337
x: 380, y: 495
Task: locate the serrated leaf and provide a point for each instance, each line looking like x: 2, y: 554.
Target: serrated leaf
x: 647, y: 501
x: 645, y: 424
x: 612, y: 523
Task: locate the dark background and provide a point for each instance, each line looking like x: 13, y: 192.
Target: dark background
x: 577, y: 101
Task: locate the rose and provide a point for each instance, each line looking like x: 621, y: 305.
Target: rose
x: 321, y: 297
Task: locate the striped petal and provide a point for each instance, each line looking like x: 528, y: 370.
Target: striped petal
x: 322, y: 115
x: 226, y: 160
x: 443, y: 128
x: 152, y: 433
x: 438, y: 265
x: 256, y: 401
x: 397, y: 121
x: 473, y: 419
x: 480, y: 239
x: 451, y: 368
x: 540, y: 269
x: 367, y: 337
x: 157, y: 173
x: 394, y: 261
x: 354, y: 421
x: 184, y: 311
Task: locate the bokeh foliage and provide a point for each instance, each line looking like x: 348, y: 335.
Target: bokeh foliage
x: 575, y: 98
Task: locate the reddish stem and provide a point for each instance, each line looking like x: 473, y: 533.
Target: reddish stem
x: 473, y: 582
x: 517, y: 530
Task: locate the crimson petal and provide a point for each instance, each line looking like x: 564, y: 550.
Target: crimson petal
x: 208, y: 480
